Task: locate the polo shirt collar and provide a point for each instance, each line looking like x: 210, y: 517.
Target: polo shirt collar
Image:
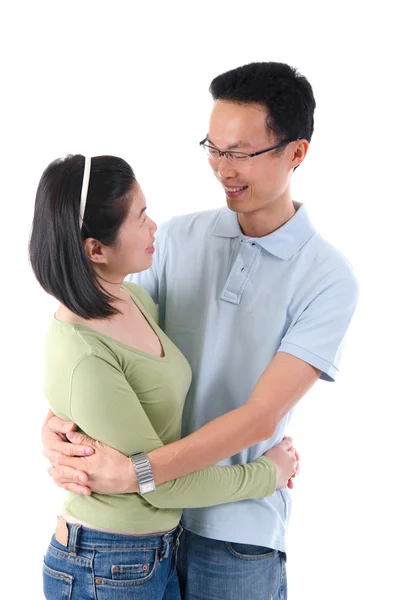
x: 283, y: 243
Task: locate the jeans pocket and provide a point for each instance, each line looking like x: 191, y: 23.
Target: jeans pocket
x: 251, y: 552
x: 56, y: 585
x: 121, y: 569
x: 134, y: 572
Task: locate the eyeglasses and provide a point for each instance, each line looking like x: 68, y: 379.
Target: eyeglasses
x: 237, y: 158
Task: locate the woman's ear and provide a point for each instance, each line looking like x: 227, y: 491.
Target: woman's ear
x: 95, y: 251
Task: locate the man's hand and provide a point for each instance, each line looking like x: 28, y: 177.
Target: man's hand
x: 85, y: 465
x: 56, y: 444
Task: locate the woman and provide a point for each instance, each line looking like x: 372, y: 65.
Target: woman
x: 110, y: 369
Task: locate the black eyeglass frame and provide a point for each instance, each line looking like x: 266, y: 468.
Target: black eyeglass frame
x: 228, y: 152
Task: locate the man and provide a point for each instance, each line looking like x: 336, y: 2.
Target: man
x: 259, y: 303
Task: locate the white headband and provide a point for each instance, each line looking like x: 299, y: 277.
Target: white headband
x: 84, y: 188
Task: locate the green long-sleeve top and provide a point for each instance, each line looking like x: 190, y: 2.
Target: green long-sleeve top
x: 133, y: 401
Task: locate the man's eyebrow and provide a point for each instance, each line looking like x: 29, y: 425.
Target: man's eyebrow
x: 142, y: 211
x: 236, y: 145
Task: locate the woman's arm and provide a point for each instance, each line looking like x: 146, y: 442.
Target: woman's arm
x: 279, y: 388
x: 104, y: 406
x: 283, y: 383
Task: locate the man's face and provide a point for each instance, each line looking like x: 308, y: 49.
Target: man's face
x: 242, y: 128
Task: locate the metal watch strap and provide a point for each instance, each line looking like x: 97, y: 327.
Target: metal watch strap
x: 144, y: 472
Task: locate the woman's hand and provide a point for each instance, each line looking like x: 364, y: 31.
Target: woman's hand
x: 286, y: 459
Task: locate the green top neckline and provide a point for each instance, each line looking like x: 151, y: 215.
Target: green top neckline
x: 152, y: 323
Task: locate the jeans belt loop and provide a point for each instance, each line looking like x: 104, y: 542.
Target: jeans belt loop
x: 178, y: 533
x: 73, y: 532
x: 164, y: 548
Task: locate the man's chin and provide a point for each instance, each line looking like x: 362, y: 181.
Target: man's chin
x: 236, y: 205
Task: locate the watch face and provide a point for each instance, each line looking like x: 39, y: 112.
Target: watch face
x: 145, y: 488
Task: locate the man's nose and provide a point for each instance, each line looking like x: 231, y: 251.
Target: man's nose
x: 225, y: 169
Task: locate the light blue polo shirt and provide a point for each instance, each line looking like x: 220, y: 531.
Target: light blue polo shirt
x: 230, y: 303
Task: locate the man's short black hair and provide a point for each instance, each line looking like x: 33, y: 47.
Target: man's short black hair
x: 285, y: 93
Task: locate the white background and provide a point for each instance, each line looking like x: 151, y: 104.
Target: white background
x: 131, y: 79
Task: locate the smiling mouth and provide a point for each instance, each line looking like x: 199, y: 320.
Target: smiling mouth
x: 235, y: 189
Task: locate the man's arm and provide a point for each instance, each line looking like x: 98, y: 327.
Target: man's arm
x: 311, y: 347
x: 279, y: 388
x: 126, y: 427
x: 285, y: 381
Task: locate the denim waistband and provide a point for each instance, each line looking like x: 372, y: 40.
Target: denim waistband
x: 90, y: 539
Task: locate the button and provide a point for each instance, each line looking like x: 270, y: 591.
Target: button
x: 253, y: 244
x: 242, y: 269
x: 98, y: 581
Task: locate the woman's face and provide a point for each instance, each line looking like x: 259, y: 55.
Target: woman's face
x: 133, y: 250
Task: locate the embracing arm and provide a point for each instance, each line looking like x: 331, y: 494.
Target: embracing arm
x: 104, y: 406
x: 285, y: 381
x: 311, y: 347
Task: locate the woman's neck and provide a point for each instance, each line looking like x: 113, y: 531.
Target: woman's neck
x: 120, y: 300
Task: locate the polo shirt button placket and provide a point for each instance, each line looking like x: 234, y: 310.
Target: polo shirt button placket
x: 239, y: 273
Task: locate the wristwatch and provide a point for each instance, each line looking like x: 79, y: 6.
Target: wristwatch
x: 144, y: 472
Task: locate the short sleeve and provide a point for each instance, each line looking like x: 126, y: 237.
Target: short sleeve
x: 317, y: 336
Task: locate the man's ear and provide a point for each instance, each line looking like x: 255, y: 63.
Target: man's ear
x: 300, y: 151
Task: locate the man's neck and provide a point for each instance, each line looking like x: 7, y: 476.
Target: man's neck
x: 267, y: 219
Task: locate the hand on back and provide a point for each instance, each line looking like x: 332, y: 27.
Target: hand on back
x: 286, y: 459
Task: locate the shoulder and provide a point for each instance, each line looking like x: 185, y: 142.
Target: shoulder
x: 68, y: 345
x: 326, y: 278
x: 329, y: 261
x: 67, y: 341
x: 190, y: 224
x: 72, y: 351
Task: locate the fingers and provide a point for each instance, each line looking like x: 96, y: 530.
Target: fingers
x: 82, y: 440
x: 55, y: 445
x: 63, y: 476
x: 60, y: 426
x: 290, y: 483
x: 77, y: 489
x: 71, y: 462
x: 297, y: 462
x: 67, y: 449
x: 286, y: 442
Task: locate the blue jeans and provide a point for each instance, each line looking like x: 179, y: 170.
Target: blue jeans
x: 213, y: 570
x: 106, y: 566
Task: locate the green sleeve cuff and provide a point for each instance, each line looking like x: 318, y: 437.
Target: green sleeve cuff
x: 272, y: 485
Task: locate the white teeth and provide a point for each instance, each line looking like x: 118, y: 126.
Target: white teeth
x: 235, y: 189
